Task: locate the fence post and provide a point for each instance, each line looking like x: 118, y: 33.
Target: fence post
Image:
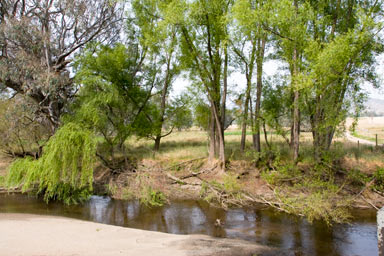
x: 380, y: 231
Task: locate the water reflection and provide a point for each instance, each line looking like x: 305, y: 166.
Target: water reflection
x: 261, y: 225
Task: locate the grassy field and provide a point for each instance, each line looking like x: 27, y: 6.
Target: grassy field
x: 187, y: 145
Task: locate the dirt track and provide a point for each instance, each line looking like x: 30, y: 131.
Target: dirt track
x: 361, y: 141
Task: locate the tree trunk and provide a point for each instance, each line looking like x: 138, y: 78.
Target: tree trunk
x: 296, y: 126
x: 224, y: 93
x: 217, y: 144
x: 296, y: 106
x: 220, y: 120
x: 245, y: 114
x: 164, y: 94
x: 220, y: 137
x: 212, y: 137
x: 253, y: 120
x: 157, y: 143
x: 248, y: 104
x: 259, y: 63
x: 322, y: 141
x: 316, y: 151
x: 266, y: 136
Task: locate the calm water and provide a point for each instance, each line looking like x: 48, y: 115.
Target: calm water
x: 261, y: 225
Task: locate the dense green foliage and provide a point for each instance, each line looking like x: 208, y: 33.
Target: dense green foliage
x: 64, y: 172
x: 379, y: 179
x: 114, y: 95
x: 152, y: 198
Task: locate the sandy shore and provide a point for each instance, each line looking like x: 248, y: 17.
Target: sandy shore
x: 23, y: 234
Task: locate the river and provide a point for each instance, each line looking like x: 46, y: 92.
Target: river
x: 260, y: 224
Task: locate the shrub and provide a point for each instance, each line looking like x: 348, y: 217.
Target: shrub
x: 151, y: 197
x: 230, y: 184
x: 282, y: 174
x: 226, y: 193
x: 321, y: 205
x: 379, y: 179
x: 356, y: 177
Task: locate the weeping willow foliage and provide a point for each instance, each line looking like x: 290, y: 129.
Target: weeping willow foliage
x: 64, y: 172
x: 111, y: 105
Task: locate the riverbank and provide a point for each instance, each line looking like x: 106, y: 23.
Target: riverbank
x: 328, y: 192
x: 23, y: 234
x: 352, y: 177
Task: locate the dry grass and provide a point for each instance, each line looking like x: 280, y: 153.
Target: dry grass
x: 179, y: 146
x: 187, y: 145
x: 368, y: 127
x: 4, y: 163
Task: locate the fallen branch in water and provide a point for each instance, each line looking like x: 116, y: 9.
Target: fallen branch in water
x: 378, y: 192
x: 365, y: 188
x: 370, y: 203
x: 273, y: 204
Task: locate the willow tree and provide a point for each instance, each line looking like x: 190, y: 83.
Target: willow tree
x: 38, y: 40
x: 65, y: 170
x: 111, y: 105
x: 345, y: 39
x: 204, y: 30
x: 162, y: 41
x: 330, y: 48
x: 289, y: 23
x: 250, y: 50
x: 113, y: 101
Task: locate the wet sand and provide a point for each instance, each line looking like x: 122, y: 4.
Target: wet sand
x: 24, y: 234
